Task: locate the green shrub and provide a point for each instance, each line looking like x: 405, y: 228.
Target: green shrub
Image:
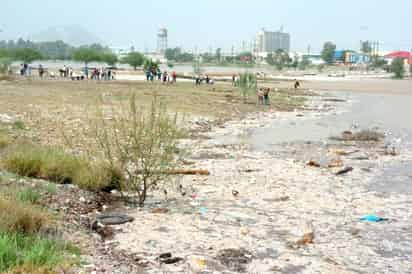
x: 19, y: 125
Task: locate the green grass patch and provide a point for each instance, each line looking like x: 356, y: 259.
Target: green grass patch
x: 31, y: 254
x: 55, y: 165
x: 28, y: 195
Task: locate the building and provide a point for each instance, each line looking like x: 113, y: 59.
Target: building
x: 162, y: 41
x: 271, y: 41
x: 405, y: 55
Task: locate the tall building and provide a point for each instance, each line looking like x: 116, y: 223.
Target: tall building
x: 271, y: 41
x: 162, y: 41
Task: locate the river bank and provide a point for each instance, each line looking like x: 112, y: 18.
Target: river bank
x: 259, y: 212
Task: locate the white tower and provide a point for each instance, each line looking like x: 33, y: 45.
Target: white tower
x: 162, y: 41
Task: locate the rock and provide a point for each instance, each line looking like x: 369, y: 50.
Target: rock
x: 235, y: 259
x: 82, y: 200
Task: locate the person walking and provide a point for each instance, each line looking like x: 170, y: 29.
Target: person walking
x: 41, y: 71
x: 260, y: 95
x: 266, y: 92
x: 165, y: 76
x: 174, y: 77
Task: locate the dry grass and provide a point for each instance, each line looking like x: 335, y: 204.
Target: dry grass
x: 49, y: 108
x: 20, y: 218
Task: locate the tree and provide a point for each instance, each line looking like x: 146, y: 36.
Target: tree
x: 27, y: 55
x: 247, y: 83
x: 109, y: 58
x: 149, y: 65
x: 134, y: 59
x: 143, y: 145
x: 245, y: 56
x: 304, y: 63
x: 328, y: 52
x: 398, y: 68
x: 86, y: 55
x: 171, y: 54
x: 280, y: 59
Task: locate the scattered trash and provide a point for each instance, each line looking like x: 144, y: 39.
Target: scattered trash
x: 306, y: 239
x: 250, y: 170
x: 361, y: 136
x: 160, y: 210
x: 373, y: 219
x: 344, y: 171
x: 335, y: 163
x: 166, y: 258
x: 203, y: 210
x: 284, y: 199
x: 114, y: 219
x: 313, y: 163
x: 235, y: 193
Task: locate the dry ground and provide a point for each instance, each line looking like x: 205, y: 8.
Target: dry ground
x: 48, y: 108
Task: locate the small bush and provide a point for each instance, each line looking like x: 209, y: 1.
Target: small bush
x: 19, y: 125
x: 19, y: 218
x: 99, y: 176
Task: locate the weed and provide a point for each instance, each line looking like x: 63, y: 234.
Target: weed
x: 28, y: 195
x: 21, y: 253
x: 19, y: 218
x: 19, y: 125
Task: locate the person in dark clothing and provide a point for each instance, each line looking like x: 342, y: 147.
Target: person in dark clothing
x: 41, y: 71
x: 207, y: 79
x: 297, y: 84
x: 266, y: 92
x: 165, y: 77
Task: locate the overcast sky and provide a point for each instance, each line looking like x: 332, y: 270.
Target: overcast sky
x: 216, y: 23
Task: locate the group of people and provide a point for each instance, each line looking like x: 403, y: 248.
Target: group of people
x: 263, y: 96
x: 25, y: 69
x: 102, y: 74
x: 200, y: 79
x: 165, y: 77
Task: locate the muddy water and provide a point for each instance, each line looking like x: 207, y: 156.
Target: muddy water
x: 307, y: 134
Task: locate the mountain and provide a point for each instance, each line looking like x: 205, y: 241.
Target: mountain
x: 73, y: 35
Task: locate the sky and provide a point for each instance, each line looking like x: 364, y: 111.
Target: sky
x: 209, y: 24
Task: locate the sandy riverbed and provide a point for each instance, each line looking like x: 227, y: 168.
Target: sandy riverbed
x: 280, y: 200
